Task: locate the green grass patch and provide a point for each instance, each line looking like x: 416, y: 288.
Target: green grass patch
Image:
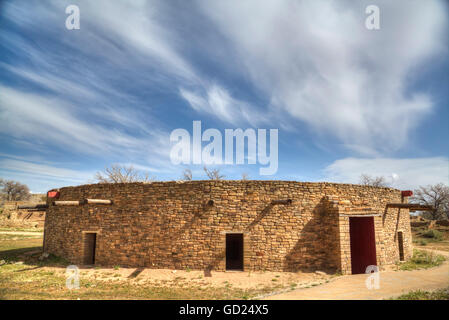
x: 13, y: 250
x: 23, y: 229
x: 422, y: 260
x: 14, y: 237
x: 420, y: 242
x: 433, y: 234
x: 442, y: 294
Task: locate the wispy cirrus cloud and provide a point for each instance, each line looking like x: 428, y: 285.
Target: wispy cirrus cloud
x: 218, y: 103
x: 42, y: 176
x: 75, y: 103
x: 44, y: 170
x: 58, y: 123
x: 322, y: 67
x: 402, y: 173
x: 110, y: 91
x: 314, y: 60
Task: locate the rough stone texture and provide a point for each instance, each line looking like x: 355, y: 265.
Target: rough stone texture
x: 28, y: 216
x: 23, y: 217
x: 444, y: 223
x: 171, y: 225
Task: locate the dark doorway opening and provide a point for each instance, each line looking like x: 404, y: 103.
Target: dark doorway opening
x: 90, y: 242
x: 401, y: 245
x: 234, y: 251
x: 363, y: 243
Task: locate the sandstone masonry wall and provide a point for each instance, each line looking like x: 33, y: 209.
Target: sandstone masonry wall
x: 171, y: 224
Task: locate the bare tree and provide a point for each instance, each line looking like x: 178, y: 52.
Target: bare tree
x: 213, y: 174
x: 14, y: 191
x: 368, y: 180
x: 245, y: 176
x: 2, y: 196
x: 187, y: 175
x: 433, y: 195
x: 122, y: 174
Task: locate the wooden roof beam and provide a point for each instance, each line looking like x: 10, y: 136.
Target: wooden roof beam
x: 411, y: 206
x: 36, y: 206
x: 97, y: 201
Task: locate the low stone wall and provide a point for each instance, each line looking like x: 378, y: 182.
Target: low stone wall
x: 36, y: 218
x: 174, y: 225
x: 444, y: 223
x: 417, y: 224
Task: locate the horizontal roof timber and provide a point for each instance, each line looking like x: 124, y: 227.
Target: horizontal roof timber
x: 411, y: 206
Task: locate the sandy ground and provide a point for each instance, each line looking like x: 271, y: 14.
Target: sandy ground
x: 241, y: 280
x: 168, y: 277
x: 284, y: 285
x: 391, y: 284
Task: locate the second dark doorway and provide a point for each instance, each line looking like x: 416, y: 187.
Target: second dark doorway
x: 90, y: 243
x: 401, y: 245
x: 234, y: 251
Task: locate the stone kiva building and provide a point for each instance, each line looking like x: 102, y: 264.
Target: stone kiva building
x: 230, y: 225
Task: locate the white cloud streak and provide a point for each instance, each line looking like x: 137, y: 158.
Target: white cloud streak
x: 57, y: 123
x: 400, y: 173
x: 219, y: 103
x: 319, y: 64
x: 45, y: 171
x: 314, y: 60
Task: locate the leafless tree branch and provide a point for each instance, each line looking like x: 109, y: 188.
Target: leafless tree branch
x: 213, y: 174
x: 368, y: 180
x: 434, y: 195
x: 14, y: 191
x: 187, y: 175
x: 122, y: 174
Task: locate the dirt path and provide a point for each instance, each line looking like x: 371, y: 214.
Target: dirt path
x: 392, y: 283
x: 23, y: 233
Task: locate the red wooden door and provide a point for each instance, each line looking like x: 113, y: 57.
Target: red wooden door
x: 363, y: 243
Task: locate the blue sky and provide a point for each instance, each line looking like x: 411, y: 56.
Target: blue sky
x: 346, y: 100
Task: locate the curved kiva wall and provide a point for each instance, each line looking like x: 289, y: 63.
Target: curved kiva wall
x: 175, y: 225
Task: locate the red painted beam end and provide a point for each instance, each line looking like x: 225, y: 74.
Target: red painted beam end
x: 407, y: 193
x: 53, y: 194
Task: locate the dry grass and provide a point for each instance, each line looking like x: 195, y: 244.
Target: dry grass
x: 442, y: 294
x: 422, y: 260
x: 29, y: 282
x: 420, y: 238
x: 23, y: 276
x: 18, y: 225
